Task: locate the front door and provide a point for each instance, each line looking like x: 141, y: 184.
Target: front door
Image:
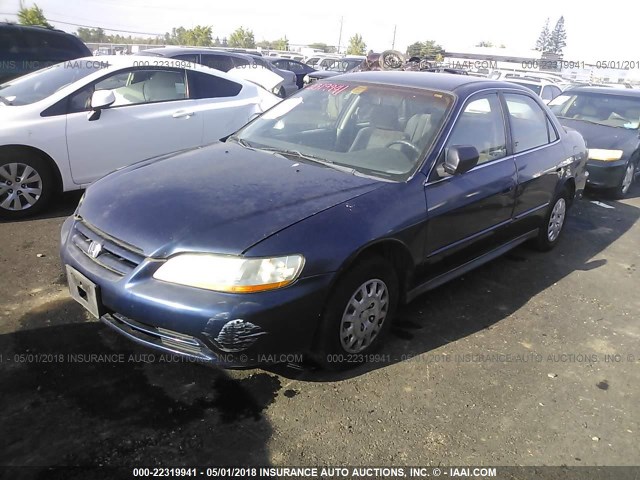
x: 151, y: 116
x: 469, y: 212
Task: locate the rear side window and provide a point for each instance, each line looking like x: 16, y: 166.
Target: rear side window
x: 202, y: 85
x: 191, y: 58
x: 8, y: 42
x: 219, y: 62
x: 240, y: 62
x: 529, y: 123
x: 51, y: 41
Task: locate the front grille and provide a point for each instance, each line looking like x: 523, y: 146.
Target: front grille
x: 114, y: 255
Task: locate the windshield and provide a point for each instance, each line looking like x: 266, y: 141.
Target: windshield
x: 604, y: 109
x: 374, y: 130
x: 40, y: 84
x: 535, y: 88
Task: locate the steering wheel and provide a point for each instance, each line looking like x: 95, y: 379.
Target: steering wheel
x: 406, y: 143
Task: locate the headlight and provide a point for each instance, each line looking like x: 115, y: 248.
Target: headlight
x: 79, y: 204
x: 605, y: 155
x: 225, y: 273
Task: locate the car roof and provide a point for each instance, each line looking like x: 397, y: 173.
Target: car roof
x: 528, y: 81
x: 35, y: 28
x: 627, y: 92
x: 436, y: 81
x: 184, y: 50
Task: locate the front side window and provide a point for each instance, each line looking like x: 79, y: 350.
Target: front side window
x: 481, y: 125
x: 134, y: 87
x: 529, y: 124
x: 375, y: 130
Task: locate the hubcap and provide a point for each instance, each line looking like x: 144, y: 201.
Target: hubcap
x: 363, y: 318
x: 20, y: 186
x: 557, y: 219
x: 628, y: 178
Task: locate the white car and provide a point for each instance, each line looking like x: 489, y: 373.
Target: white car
x: 63, y: 127
x: 544, y: 89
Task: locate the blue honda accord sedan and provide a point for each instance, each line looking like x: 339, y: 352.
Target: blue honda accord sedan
x: 304, y: 231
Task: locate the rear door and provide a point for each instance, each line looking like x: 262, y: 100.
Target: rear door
x: 470, y: 213
x: 152, y: 115
x: 538, y: 155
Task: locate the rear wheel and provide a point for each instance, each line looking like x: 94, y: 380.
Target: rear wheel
x: 553, y: 226
x: 26, y: 184
x: 358, y: 314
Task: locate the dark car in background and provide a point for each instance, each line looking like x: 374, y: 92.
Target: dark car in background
x: 24, y: 49
x: 300, y: 69
x: 338, y: 67
x: 225, y: 60
x: 608, y: 119
x: 304, y: 231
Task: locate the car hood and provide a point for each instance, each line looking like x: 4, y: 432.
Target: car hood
x: 221, y: 198
x: 604, y: 136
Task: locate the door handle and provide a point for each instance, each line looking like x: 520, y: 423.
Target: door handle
x: 183, y: 113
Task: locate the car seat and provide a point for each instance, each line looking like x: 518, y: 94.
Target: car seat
x: 160, y: 87
x: 383, y: 129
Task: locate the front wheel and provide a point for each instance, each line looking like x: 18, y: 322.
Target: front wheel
x: 621, y: 190
x: 358, y: 314
x: 26, y: 185
x: 553, y: 225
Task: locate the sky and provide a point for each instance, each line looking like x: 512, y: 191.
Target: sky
x: 594, y: 32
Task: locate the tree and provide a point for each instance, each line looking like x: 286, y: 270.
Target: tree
x: 92, y: 35
x: 356, y: 45
x: 33, y: 16
x: 558, y: 38
x: 543, y: 44
x: 414, y: 49
x: 242, y: 38
x: 429, y: 50
x: 280, y: 44
x: 484, y: 44
x: 198, y: 36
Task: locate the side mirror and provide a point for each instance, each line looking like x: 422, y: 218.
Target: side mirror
x: 99, y: 100
x: 460, y: 159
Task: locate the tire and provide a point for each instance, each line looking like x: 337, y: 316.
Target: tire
x: 33, y: 193
x: 376, y: 277
x: 553, y: 226
x: 621, y: 190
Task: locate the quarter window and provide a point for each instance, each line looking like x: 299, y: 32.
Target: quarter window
x: 203, y: 85
x: 481, y: 124
x: 529, y: 123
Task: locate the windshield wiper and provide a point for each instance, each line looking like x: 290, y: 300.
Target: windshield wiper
x: 242, y: 142
x: 311, y: 158
x: 5, y: 101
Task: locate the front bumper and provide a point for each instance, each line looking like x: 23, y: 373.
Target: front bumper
x: 606, y: 174
x: 230, y: 330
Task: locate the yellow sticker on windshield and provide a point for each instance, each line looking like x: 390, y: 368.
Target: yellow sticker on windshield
x: 358, y: 90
